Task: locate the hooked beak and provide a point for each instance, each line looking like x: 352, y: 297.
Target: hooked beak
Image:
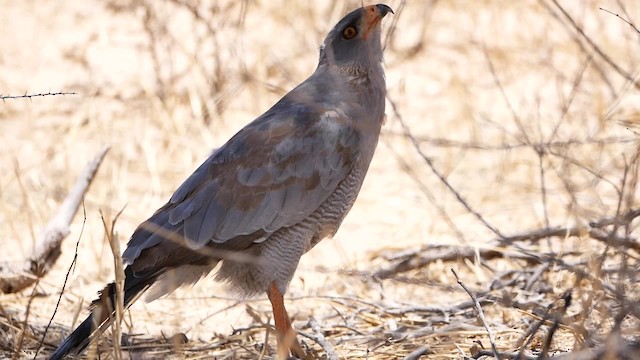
x: 384, y: 10
x: 373, y: 14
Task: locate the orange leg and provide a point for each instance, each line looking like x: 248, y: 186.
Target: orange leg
x: 287, y: 340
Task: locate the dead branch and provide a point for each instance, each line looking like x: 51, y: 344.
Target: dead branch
x: 609, y: 238
x: 504, y: 355
x: 415, y: 259
x: 480, y: 314
x: 621, y: 220
x: 319, y: 338
x: 418, y: 259
x: 459, y: 307
x: 567, y: 297
x: 15, y: 276
x: 417, y: 353
x: 527, y: 337
x: 615, y: 348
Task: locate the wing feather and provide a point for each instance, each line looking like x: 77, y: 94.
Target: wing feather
x: 272, y: 174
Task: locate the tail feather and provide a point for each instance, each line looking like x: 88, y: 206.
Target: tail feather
x: 103, y: 313
x: 78, y: 340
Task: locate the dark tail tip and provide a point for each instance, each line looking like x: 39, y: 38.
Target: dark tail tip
x: 80, y: 337
x: 75, y: 342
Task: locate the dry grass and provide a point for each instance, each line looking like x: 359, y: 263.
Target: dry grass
x: 532, y: 123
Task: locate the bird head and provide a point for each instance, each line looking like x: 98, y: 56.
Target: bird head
x: 353, y: 45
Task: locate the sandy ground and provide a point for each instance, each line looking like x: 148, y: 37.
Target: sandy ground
x: 477, y: 82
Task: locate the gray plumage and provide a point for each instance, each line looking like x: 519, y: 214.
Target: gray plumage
x: 275, y: 189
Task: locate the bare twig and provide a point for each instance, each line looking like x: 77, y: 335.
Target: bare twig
x: 322, y: 341
x: 505, y: 98
x: 480, y: 314
x: 561, y: 231
x: 504, y: 355
x: 543, y: 188
x: 617, y: 348
x: 527, y: 337
x: 119, y: 282
x: 623, y: 19
x: 459, y: 307
x: 595, y: 47
x: 442, y: 178
x: 481, y: 146
x: 417, y: 353
x: 64, y: 284
x: 426, y: 191
x: 418, y: 260
x: 620, y: 220
x: 17, y: 276
x: 556, y: 324
x: 531, y: 280
x: 23, y: 330
x: 31, y: 96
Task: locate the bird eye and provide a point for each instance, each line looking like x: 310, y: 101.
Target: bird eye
x: 350, y: 32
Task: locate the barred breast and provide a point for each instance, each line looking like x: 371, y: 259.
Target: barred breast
x: 278, y: 256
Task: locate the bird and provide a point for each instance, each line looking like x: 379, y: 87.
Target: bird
x: 267, y: 196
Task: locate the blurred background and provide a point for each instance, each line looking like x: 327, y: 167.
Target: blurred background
x: 504, y: 118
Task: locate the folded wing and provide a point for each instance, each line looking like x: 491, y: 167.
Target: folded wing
x: 272, y: 174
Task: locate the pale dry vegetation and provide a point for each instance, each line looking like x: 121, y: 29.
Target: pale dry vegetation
x: 510, y: 155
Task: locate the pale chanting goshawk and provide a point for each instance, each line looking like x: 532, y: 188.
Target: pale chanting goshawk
x: 272, y: 192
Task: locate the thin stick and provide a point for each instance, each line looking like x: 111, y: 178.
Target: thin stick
x: 322, y: 341
x: 480, y: 314
x: 30, y: 96
x: 417, y: 353
x: 505, y: 355
x: 66, y: 278
x: 23, y: 331
x: 595, y: 47
x: 621, y: 18
x: 119, y: 282
x: 440, y: 176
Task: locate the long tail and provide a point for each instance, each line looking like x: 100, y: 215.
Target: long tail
x: 78, y: 340
x: 103, y: 313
